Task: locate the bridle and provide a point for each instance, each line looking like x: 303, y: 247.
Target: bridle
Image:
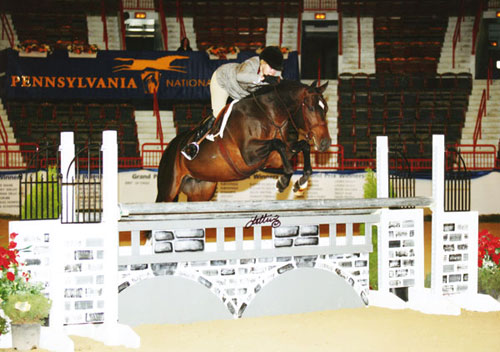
x: 308, y: 126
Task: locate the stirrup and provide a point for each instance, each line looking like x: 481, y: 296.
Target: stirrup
x: 185, y: 153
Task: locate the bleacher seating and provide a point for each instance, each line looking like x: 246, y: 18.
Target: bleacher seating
x: 232, y: 23
x: 406, y: 99
x: 410, y: 44
x: 248, y: 33
x: 396, y: 8
x: 56, y: 30
x: 188, y: 116
x: 42, y: 123
x: 406, y: 108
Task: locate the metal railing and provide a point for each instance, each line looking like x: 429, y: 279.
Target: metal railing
x: 122, y: 26
x: 299, y: 27
x: 180, y: 19
x: 139, y: 4
x: 477, y: 157
x: 401, y: 179
x: 7, y: 30
x: 104, y: 25
x: 40, y: 188
x: 317, y: 5
x: 163, y: 23
x: 456, y: 34
x: 457, y: 183
x: 479, y: 120
x: 475, y: 28
x: 82, y: 192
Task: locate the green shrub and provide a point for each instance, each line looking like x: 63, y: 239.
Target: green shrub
x: 370, y: 191
x: 370, y: 186
x: 428, y: 281
x: 43, y: 200
x: 26, y: 308
x: 488, y: 281
x: 4, y: 327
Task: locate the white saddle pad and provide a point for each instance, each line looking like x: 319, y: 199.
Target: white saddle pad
x: 220, y: 133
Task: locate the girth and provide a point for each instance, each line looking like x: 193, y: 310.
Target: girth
x: 229, y: 161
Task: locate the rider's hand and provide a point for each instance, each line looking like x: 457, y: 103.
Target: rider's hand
x: 271, y: 79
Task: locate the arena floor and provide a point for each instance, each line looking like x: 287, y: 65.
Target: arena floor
x: 350, y: 330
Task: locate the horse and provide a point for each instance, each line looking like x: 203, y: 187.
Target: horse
x: 255, y: 137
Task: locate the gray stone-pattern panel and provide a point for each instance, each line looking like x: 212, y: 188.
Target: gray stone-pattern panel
x: 236, y: 282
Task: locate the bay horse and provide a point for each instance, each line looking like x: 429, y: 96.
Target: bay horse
x: 255, y: 138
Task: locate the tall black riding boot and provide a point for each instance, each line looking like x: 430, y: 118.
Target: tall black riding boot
x: 190, y: 151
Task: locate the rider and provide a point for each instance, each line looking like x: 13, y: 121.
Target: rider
x: 237, y: 81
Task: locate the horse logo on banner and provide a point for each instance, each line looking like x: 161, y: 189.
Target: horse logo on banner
x: 150, y: 75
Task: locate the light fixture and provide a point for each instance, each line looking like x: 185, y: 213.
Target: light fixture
x: 140, y: 15
x: 493, y: 43
x: 320, y: 16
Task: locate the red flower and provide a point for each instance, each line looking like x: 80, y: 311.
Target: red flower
x: 496, y: 258
x: 13, y: 235
x: 12, y: 245
x: 10, y: 276
x: 490, y: 248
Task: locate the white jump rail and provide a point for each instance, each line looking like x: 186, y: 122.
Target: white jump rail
x: 238, y: 215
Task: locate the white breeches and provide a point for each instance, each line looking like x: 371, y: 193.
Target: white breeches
x: 218, y: 95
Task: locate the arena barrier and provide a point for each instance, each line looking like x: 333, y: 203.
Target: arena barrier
x: 217, y: 260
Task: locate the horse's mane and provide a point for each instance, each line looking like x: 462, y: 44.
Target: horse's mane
x: 283, y: 85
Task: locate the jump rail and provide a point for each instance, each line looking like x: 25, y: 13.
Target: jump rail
x: 132, y: 212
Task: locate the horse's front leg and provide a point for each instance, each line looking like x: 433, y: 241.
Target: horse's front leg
x: 305, y: 148
x: 284, y: 180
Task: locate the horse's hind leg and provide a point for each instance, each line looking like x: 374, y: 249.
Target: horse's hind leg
x: 197, y: 190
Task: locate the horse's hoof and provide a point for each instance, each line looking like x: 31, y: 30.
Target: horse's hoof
x: 298, y: 187
x: 280, y: 187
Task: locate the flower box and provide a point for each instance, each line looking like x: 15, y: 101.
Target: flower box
x: 33, y: 54
x: 223, y: 53
x: 82, y: 55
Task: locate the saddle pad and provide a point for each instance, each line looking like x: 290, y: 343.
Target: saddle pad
x: 211, y: 137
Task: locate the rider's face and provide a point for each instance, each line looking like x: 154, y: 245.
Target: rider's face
x: 266, y: 69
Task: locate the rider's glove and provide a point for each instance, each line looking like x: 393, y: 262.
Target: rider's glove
x: 271, y: 79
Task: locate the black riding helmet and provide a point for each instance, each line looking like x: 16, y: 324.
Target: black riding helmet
x: 273, y: 56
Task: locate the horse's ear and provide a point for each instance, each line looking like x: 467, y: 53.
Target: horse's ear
x: 323, y: 87
x: 313, y: 84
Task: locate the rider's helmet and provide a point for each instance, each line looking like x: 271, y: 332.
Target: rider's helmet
x: 273, y: 56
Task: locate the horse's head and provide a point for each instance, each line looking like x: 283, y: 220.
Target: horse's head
x: 314, y: 109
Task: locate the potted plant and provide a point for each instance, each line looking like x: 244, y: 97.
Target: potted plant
x: 22, y: 301
x: 489, y: 264
x: 26, y: 311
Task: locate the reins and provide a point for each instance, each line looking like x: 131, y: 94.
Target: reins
x: 290, y: 115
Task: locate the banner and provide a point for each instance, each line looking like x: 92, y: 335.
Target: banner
x: 119, y: 75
